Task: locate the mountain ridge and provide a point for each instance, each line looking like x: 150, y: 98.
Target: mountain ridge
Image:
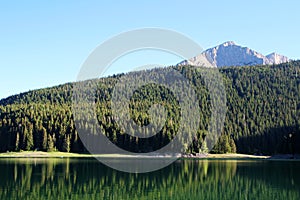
x: 231, y: 54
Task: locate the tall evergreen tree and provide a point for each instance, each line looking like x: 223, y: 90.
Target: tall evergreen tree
x: 50, y: 143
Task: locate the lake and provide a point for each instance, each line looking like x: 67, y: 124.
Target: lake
x: 81, y: 178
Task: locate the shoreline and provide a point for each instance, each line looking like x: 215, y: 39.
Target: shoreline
x: 40, y: 154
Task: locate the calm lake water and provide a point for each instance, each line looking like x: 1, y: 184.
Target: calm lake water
x: 184, y: 179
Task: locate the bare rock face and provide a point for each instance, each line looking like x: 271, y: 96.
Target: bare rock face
x: 231, y: 54
x: 275, y: 58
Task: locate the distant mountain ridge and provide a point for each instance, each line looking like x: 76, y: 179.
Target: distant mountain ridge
x: 231, y: 54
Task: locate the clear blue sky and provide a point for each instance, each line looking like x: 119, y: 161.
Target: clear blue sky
x: 44, y: 43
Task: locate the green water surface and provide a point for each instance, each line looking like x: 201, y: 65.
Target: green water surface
x: 185, y: 179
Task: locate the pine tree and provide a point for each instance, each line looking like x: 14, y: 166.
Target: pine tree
x: 24, y: 138
x: 223, y: 145
x: 50, y: 144
x: 30, y: 142
x: 66, y: 143
x: 17, y: 148
x: 227, y: 145
x: 204, y: 148
x: 232, y: 146
x: 44, y: 140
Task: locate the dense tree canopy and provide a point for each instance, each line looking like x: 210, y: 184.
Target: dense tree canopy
x: 263, y: 114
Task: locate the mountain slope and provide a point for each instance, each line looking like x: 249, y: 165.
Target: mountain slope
x: 231, y: 54
x: 275, y: 58
x: 263, y: 110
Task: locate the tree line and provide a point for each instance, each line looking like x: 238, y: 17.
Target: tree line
x: 262, y: 117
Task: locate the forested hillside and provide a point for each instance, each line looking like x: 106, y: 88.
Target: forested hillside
x: 263, y: 114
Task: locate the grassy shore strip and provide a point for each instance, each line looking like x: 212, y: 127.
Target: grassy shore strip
x: 40, y: 154
x: 236, y: 156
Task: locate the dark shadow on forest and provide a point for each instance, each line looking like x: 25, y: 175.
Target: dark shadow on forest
x: 273, y: 141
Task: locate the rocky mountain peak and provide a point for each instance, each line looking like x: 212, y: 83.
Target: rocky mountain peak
x: 231, y: 54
